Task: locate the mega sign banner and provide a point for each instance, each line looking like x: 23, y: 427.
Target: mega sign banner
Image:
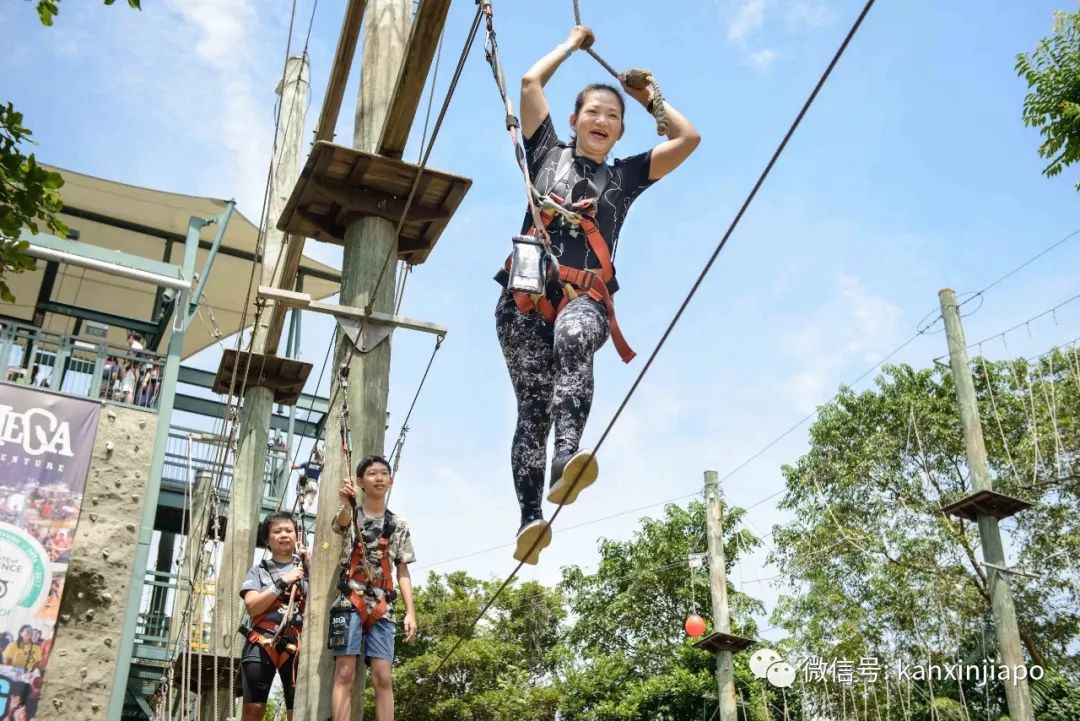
x: 45, y: 444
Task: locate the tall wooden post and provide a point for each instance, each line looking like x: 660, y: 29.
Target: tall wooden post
x: 1017, y: 693
x: 368, y: 240
x: 245, y: 497
x: 714, y: 520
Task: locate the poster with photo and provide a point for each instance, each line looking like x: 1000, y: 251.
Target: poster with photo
x: 46, y: 441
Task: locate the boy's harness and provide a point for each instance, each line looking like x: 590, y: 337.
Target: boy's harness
x: 358, y: 579
x: 576, y: 281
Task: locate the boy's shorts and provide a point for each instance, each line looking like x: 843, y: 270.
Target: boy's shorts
x: 376, y: 642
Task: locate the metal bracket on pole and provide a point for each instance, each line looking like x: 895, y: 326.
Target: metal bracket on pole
x: 365, y: 337
x: 1011, y: 571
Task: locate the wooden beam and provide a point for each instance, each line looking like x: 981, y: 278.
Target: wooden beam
x: 292, y: 299
x: 427, y: 27
x: 339, y: 72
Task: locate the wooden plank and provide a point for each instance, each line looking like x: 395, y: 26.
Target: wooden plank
x: 435, y: 229
x: 427, y: 27
x: 377, y: 204
x: 339, y: 72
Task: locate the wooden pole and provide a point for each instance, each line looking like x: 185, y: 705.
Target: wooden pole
x: 1017, y: 693
x: 368, y: 240
x: 249, y: 469
x: 725, y: 668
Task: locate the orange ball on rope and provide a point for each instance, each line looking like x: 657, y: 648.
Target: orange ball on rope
x: 695, y: 625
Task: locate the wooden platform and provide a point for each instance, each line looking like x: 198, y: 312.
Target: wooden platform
x: 339, y: 184
x: 989, y: 503
x: 285, y: 376
x: 717, y: 642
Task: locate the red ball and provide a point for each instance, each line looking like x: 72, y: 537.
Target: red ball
x: 695, y: 625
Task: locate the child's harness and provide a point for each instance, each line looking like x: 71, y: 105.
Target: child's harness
x: 279, y: 640
x: 359, y: 581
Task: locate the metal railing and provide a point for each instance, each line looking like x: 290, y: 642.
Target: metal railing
x: 66, y: 364
x: 156, y: 633
x: 207, y: 455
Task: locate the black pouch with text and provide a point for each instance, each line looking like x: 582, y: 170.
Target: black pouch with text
x: 338, y: 634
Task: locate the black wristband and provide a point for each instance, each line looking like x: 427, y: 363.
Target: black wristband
x: 281, y: 585
x: 652, y: 104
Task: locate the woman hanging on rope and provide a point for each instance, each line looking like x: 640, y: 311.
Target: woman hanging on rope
x: 273, y: 592
x: 549, y: 340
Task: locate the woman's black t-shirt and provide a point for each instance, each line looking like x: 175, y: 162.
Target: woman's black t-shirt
x: 627, y: 179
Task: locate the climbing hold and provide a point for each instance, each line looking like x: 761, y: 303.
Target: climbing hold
x: 695, y: 625
x: 106, y: 597
x: 130, y: 527
x: 93, y: 517
x: 108, y: 642
x: 109, y: 446
x: 111, y: 414
x: 84, y: 671
x: 142, y: 423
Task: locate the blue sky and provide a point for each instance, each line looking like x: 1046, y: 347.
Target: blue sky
x: 912, y: 172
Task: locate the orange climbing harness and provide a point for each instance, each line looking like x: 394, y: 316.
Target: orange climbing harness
x: 360, y: 580
x: 279, y: 640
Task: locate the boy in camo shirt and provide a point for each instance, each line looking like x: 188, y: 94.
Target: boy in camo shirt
x: 371, y: 631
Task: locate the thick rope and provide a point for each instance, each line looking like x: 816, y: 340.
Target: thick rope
x: 635, y: 78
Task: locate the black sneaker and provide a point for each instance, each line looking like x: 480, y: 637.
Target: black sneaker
x: 570, y: 476
x: 532, y: 538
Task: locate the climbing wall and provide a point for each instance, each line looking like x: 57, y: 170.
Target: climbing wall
x: 83, y: 660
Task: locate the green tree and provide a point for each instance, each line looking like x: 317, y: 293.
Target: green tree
x: 627, y: 656
x: 1052, y: 72
x: 875, y: 569
x: 502, y: 670
x: 29, y: 194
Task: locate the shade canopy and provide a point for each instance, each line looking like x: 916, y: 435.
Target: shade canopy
x: 151, y: 224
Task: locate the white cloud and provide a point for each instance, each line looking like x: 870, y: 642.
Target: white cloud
x: 804, y: 14
x: 761, y: 59
x: 868, y: 327
x: 875, y: 320
x: 227, y: 52
x: 747, y: 27
x: 748, y: 19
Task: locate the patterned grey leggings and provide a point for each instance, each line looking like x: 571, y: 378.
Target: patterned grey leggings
x: 551, y: 369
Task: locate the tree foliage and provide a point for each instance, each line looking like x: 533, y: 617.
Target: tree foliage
x: 876, y: 569
x: 48, y: 9
x: 627, y: 657
x: 1052, y: 72
x: 503, y: 668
